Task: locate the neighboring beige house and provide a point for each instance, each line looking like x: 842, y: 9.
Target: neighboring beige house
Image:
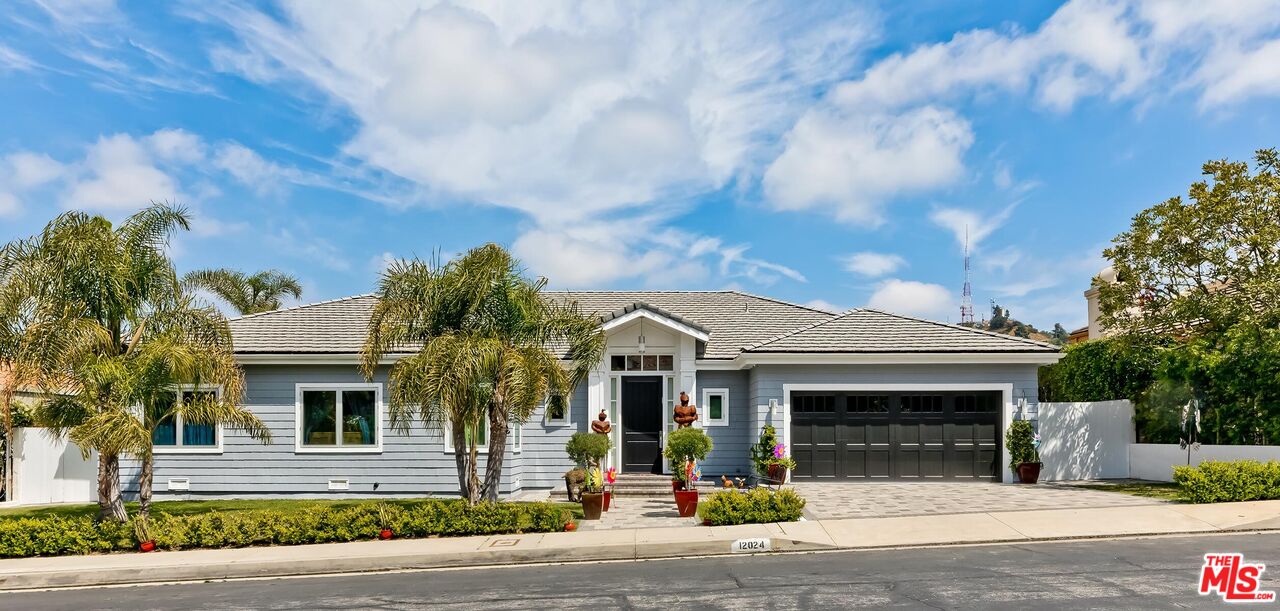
x: 1093, y: 330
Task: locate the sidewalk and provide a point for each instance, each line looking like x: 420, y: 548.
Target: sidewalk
x: 632, y: 544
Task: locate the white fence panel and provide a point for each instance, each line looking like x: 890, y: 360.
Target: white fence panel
x: 1085, y: 440
x: 48, y: 470
x: 1155, y: 461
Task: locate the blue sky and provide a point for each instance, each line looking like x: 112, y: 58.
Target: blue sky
x: 821, y: 153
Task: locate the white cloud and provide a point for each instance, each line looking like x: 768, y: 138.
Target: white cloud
x: 119, y: 174
x: 913, y: 298
x: 310, y: 248
x: 13, y: 61
x: 873, y: 264
x: 851, y: 162
x: 250, y: 169
x: 20, y: 174
x: 824, y: 305
x: 176, y: 145
x: 970, y: 225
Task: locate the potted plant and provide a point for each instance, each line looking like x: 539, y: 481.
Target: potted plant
x: 588, y: 449
x: 385, y: 517
x: 142, y: 530
x: 610, y: 478
x: 685, y: 447
x: 593, y: 495
x: 1021, y: 440
x: 770, y: 457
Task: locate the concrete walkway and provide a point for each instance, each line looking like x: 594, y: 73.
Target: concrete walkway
x: 827, y: 500
x: 631, y: 544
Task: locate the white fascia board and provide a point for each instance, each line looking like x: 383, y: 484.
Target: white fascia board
x: 675, y: 325
x: 900, y: 358
x: 262, y: 358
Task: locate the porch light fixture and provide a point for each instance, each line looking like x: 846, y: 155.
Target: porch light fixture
x: 640, y: 340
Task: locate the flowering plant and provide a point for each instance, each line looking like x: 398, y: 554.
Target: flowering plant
x: 595, y: 481
x: 769, y: 451
x: 611, y: 476
x: 780, y: 450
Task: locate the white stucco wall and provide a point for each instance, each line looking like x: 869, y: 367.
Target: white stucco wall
x: 47, y: 470
x: 1085, y: 440
x: 1155, y: 461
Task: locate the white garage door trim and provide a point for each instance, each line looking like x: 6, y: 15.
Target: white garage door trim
x: 1005, y: 415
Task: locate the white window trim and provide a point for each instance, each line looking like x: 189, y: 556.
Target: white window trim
x: 723, y: 420
x: 178, y: 448
x: 568, y: 412
x: 448, y: 438
x: 338, y: 387
x: 517, y: 437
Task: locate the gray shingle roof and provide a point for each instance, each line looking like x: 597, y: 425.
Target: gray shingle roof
x: 734, y: 321
x: 866, y: 330
x: 640, y: 305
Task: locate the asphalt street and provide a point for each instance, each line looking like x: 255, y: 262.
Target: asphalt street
x: 1124, y: 574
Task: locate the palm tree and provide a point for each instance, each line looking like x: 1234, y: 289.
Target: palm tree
x: 261, y: 292
x: 122, y: 309
x: 481, y: 337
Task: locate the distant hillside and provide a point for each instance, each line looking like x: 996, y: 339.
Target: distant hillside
x: 1002, y: 322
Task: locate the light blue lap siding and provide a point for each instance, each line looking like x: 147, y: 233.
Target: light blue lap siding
x: 409, y: 464
x: 730, y: 453
x: 544, y: 459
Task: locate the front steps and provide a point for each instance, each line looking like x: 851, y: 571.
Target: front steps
x: 638, y: 485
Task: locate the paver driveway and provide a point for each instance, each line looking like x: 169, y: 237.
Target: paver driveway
x: 878, y: 500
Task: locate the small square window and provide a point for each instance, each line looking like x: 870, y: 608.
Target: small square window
x: 715, y: 406
x: 617, y: 362
x: 633, y: 362
x: 650, y: 362
x: 557, y: 412
x: 665, y: 362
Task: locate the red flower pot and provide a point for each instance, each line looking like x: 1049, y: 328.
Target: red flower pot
x: 687, y: 502
x: 777, y: 474
x: 608, y: 495
x: 385, y: 534
x: 1029, y: 472
x: 147, y: 546
x: 675, y: 484
x: 570, y: 527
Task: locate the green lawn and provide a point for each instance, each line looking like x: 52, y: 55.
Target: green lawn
x: 1166, y: 491
x: 192, y: 507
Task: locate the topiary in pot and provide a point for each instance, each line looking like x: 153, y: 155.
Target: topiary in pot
x: 1024, y: 460
x: 587, y: 449
x: 769, y: 457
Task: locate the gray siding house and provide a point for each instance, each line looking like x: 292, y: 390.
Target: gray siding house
x: 860, y: 396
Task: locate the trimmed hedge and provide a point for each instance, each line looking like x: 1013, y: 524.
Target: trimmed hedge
x: 54, y: 536
x: 1219, y: 482
x: 756, y: 506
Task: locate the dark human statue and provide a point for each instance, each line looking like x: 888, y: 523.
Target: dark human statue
x: 686, y: 413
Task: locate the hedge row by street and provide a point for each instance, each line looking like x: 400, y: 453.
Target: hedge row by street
x: 54, y: 536
x: 1222, y: 482
x: 756, y: 506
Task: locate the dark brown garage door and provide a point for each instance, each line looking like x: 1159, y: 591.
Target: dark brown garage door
x: 896, y: 435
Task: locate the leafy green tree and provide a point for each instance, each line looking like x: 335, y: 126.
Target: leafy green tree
x: 1197, y: 266
x: 130, y: 333
x: 1059, y: 334
x: 261, y: 292
x: 485, y: 343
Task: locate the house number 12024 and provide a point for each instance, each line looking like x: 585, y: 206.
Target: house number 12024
x: 747, y: 546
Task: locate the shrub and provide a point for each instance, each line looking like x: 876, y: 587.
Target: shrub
x: 763, y: 453
x: 53, y: 536
x: 1219, y: 482
x: 757, y: 506
x: 587, y: 448
x: 683, y: 445
x: 1020, y: 441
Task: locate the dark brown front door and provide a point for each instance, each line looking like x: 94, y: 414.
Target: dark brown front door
x: 896, y: 435
x: 641, y: 424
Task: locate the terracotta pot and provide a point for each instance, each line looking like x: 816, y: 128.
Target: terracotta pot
x: 1029, y: 472
x: 676, y: 485
x: 385, y: 534
x: 687, y: 502
x: 592, y: 503
x: 147, y: 546
x: 570, y: 527
x: 608, y: 495
x: 778, y: 474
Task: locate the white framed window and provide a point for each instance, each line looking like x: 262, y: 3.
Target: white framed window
x: 642, y: 362
x: 517, y: 437
x: 715, y: 407
x: 342, y: 418
x: 557, y: 410
x: 173, y: 436
x: 482, y: 442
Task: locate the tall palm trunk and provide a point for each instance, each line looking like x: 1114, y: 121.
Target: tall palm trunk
x: 497, y: 449
x: 110, y: 505
x: 144, y: 485
x: 6, y: 467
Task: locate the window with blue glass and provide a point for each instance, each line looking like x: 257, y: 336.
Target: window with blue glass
x: 172, y: 433
x: 338, y: 417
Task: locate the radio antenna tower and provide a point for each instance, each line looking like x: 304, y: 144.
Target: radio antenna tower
x: 966, y: 299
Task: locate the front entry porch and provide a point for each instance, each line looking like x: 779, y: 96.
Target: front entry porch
x: 642, y: 424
